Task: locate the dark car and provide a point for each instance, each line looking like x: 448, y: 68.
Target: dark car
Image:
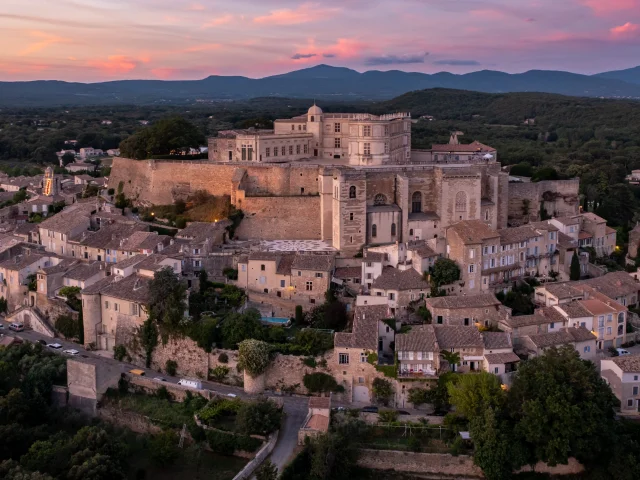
x: 370, y: 409
x: 439, y: 413
x: 41, y: 342
x: 403, y: 412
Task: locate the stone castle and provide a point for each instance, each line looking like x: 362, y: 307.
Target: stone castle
x: 348, y: 179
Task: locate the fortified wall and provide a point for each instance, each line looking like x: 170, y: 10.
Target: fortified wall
x: 559, y: 197
x: 279, y: 201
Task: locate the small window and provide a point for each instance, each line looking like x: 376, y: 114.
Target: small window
x: 115, y: 307
x: 393, y: 229
x: 635, y: 390
x: 262, y: 268
x: 343, y: 359
x: 318, y: 275
x: 282, y: 282
x: 496, y: 370
x: 363, y: 358
x: 374, y: 230
x: 439, y: 319
x: 352, y: 191
x: 630, y: 402
x: 351, y: 216
x: 309, y: 286
x: 106, y: 304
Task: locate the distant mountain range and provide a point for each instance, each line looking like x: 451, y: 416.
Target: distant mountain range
x: 321, y: 82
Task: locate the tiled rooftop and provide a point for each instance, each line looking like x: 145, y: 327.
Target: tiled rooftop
x: 394, y: 279
x: 452, y: 336
x: 496, y: 340
x: 421, y: 338
x: 464, y: 301
x: 627, y: 363
x: 133, y: 288
x: 501, y: 358
x: 365, y: 328
x: 473, y: 231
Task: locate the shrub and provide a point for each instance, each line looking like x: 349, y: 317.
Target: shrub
x: 387, y: 416
x: 319, y: 382
x: 310, y: 362
x: 267, y: 471
x: 218, y: 407
x: 413, y: 444
x: 164, y: 394
x: 254, y: 356
x: 418, y: 396
x: 230, y: 273
x: 299, y: 315
x: 163, y: 448
x: 223, y: 358
x: 259, y: 417
x: 221, y: 443
x: 219, y: 373
x: 67, y: 326
x: 171, y: 367
x: 383, y: 390
x: 111, y: 191
x: 119, y: 352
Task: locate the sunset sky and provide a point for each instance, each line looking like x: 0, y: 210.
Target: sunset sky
x: 95, y: 40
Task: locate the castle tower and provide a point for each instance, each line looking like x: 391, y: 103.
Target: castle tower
x: 314, y: 125
x: 50, y: 183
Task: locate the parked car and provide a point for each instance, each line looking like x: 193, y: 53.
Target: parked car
x: 159, y: 379
x: 1, y: 326
x: 41, y: 342
x: 622, y: 351
x: 197, y: 384
x: 232, y: 395
x: 16, y: 327
x: 137, y: 371
x: 55, y: 346
x: 71, y: 351
x: 369, y: 409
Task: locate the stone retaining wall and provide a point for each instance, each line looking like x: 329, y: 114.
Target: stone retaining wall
x: 260, y: 457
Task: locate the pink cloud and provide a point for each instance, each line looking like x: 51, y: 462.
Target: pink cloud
x: 223, y: 20
x: 625, y: 30
x: 345, y: 48
x: 305, y: 13
x: 44, y: 40
x: 488, y: 14
x: 196, y: 7
x: 114, y: 65
x: 604, y: 7
x: 207, y: 47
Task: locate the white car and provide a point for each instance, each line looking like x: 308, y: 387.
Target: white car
x: 159, y: 379
x: 232, y: 395
x: 622, y: 352
x: 71, y: 351
x: 55, y: 346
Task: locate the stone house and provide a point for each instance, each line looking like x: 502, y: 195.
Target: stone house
x: 589, y: 230
x: 370, y: 334
x: 349, y: 276
x: 372, y: 265
x: 401, y: 288
x: 200, y: 244
x: 317, y: 421
x: 113, y: 308
x: 303, y: 278
x: 84, y: 274
x: 14, y: 274
x: 499, y: 357
x: 579, y: 338
x: 623, y: 376
x: 618, y: 286
x: 106, y: 244
x: 142, y: 243
x: 57, y: 232
x: 534, y: 246
x: 553, y: 293
x: 483, y: 309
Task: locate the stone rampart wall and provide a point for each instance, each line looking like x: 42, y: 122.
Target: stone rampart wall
x: 560, y: 198
x: 280, y: 218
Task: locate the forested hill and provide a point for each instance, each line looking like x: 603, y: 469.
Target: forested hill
x: 323, y: 82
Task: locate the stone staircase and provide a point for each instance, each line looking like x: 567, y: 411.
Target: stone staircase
x: 32, y: 318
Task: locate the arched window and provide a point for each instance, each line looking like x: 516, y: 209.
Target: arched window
x: 374, y: 230
x: 352, y: 191
x: 313, y: 118
x: 380, y: 199
x: 461, y: 202
x: 393, y: 229
x: 621, y: 317
x: 416, y: 202
x: 620, y: 329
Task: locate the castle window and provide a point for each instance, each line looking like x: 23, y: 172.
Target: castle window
x: 386, y: 147
x: 374, y: 230
x: 304, y: 128
x: 411, y: 232
x: 367, y: 149
x: 336, y: 142
x: 351, y: 216
x: 461, y: 202
x: 416, y: 202
x: 336, y: 127
x: 313, y: 119
x: 275, y: 151
x: 380, y: 199
x: 290, y: 149
x: 293, y: 127
x: 297, y: 149
x: 486, y: 215
x: 393, y: 229
x: 352, y: 191
x: 306, y: 149
x: 366, y: 131
x: 267, y: 152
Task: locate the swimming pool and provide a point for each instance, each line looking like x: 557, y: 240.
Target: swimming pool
x: 275, y: 320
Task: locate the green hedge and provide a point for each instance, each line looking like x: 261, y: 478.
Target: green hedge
x: 227, y: 443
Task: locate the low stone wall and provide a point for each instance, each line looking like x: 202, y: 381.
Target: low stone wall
x: 130, y: 420
x: 148, y: 385
x: 460, y: 466
x: 260, y: 457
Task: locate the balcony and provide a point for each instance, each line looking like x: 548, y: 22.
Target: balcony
x: 417, y: 374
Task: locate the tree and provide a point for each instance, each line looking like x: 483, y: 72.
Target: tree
x: 319, y: 382
x: 259, y: 417
x: 219, y: 373
x: 267, y: 471
x: 254, y: 356
x: 172, y: 135
x: 452, y: 358
x: 445, y: 272
x: 574, y: 269
x: 3, y: 305
x: 299, y: 315
x: 167, y: 298
x: 418, y: 396
x: 561, y: 407
x: 148, y: 336
x: 475, y: 393
x: 68, y: 158
x: 241, y: 326
x: 383, y: 390
x: 163, y: 448
x: 171, y: 367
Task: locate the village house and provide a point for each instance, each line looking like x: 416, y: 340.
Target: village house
x: 589, y: 230
x: 543, y: 320
x: 57, y: 231
x: 581, y: 339
x: 370, y: 335
x: 105, y: 244
x: 623, y: 376
x: 200, y: 243
x: 317, y: 421
x: 16, y: 274
x: 467, y: 310
x: 402, y: 288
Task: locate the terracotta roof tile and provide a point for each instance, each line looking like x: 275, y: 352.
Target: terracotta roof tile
x: 452, y: 336
x: 421, y: 338
x: 496, y: 340
x: 501, y: 358
x: 473, y: 231
x: 464, y: 301
x: 627, y: 363
x: 394, y: 279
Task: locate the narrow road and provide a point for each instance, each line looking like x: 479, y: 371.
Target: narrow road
x: 295, y: 408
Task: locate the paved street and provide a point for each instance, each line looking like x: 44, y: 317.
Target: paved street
x: 295, y: 407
